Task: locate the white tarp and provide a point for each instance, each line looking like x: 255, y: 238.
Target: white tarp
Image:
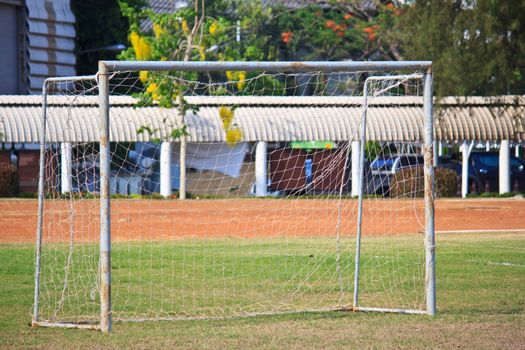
x: 216, y: 156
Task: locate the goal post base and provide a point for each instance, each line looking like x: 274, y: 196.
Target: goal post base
x: 96, y: 327
x: 70, y: 325
x: 387, y: 310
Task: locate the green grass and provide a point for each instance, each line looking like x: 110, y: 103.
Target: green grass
x: 481, y: 294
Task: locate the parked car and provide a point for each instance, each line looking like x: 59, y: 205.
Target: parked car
x: 383, y: 167
x: 483, y: 175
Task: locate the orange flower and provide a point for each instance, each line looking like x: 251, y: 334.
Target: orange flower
x: 371, y: 31
x: 317, y: 13
x: 339, y: 30
x: 330, y: 24
x: 347, y: 16
x: 286, y: 37
x: 393, y: 8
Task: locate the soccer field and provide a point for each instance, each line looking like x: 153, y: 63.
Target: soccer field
x: 481, y: 304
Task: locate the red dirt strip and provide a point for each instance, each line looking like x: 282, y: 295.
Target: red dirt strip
x: 173, y: 219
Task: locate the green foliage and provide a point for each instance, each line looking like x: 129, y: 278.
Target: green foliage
x: 341, y: 31
x: 193, y: 33
x: 8, y: 180
x: 372, y: 150
x: 177, y: 133
x: 149, y: 132
x: 493, y: 195
x: 337, y: 32
x: 477, y: 47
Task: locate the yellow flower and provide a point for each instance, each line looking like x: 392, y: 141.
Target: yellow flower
x: 145, y: 50
x: 242, y: 80
x: 185, y: 27
x: 230, y: 75
x: 202, y: 53
x: 152, y: 89
x: 226, y: 115
x: 143, y: 76
x: 214, y: 27
x: 141, y: 46
x: 233, y: 136
x: 158, y: 30
x: 134, y: 39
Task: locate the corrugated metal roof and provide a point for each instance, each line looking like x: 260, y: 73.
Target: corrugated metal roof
x: 162, y: 6
x: 51, y: 41
x: 268, y: 118
x: 294, y: 4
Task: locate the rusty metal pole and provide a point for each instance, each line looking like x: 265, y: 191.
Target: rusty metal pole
x: 105, y: 233
x: 430, y: 243
x: 360, y: 191
x: 38, y: 246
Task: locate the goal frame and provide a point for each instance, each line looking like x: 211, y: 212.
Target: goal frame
x: 107, y: 68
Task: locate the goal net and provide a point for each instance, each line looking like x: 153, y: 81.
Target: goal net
x: 233, y: 192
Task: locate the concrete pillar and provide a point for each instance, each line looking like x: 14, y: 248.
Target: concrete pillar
x: 355, y: 168
x: 504, y: 166
x: 466, y: 148
x: 261, y: 169
x: 436, y: 147
x: 165, y: 168
x: 65, y: 167
x: 517, y: 151
x: 440, y: 149
x: 182, y: 168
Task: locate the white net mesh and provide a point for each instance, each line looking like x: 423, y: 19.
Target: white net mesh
x: 270, y: 220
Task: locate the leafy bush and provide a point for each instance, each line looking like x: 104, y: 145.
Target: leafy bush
x: 8, y: 180
x: 446, y: 181
x: 409, y: 182
x: 493, y: 195
x: 30, y: 195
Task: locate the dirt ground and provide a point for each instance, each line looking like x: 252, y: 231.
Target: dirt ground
x: 173, y: 219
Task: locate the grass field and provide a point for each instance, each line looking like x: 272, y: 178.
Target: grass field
x: 481, y: 298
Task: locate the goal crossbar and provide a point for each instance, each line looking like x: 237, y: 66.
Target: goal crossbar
x: 269, y: 66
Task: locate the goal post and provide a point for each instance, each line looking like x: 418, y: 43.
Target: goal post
x: 430, y: 278
x: 428, y: 151
x: 235, y: 253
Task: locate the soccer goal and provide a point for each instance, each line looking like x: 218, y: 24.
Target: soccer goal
x: 212, y: 190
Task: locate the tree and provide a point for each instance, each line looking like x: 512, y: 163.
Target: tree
x: 192, y: 33
x: 96, y: 28
x: 344, y: 30
x: 477, y: 47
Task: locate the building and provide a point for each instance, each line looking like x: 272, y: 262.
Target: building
x: 37, y: 41
x: 267, y: 132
